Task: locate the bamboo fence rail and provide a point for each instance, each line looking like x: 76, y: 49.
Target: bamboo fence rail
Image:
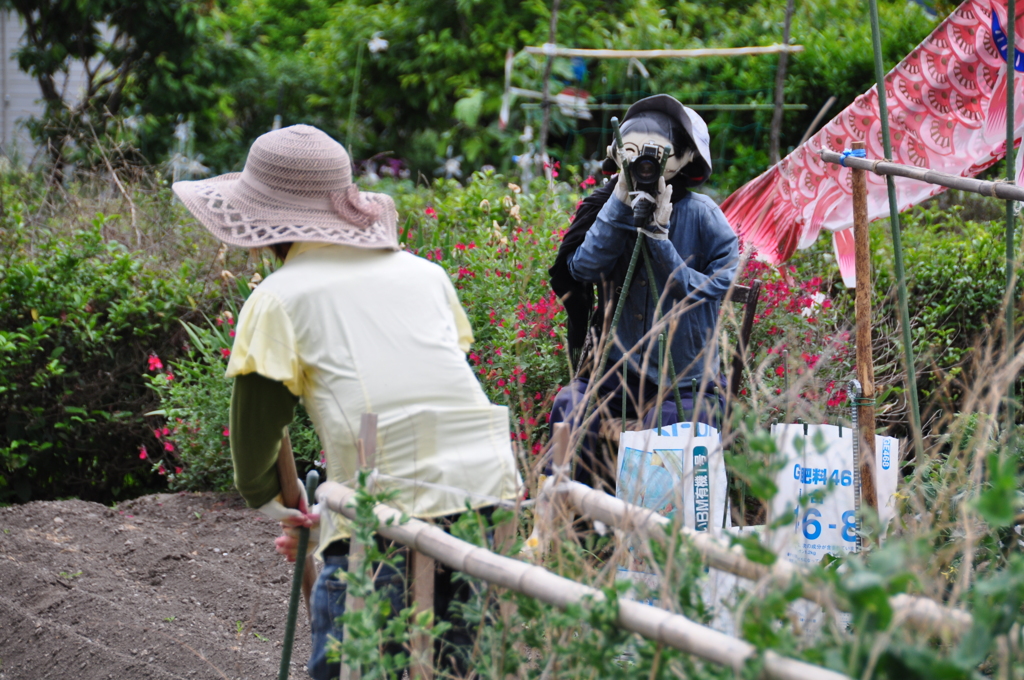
x: 919, y: 612
x: 673, y: 630
x: 1001, y: 189
x: 554, y: 51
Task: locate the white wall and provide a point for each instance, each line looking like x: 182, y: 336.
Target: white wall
x: 20, y: 97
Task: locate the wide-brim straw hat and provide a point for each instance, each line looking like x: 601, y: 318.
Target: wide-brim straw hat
x: 296, y: 186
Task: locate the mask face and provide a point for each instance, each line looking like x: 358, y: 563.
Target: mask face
x: 651, y: 129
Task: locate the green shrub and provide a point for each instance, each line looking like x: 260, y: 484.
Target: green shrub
x: 192, y: 446
x: 78, y: 317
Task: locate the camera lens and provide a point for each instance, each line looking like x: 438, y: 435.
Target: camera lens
x: 645, y: 170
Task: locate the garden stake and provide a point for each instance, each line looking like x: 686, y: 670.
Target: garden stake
x: 864, y: 435
x: 312, y: 479
x: 625, y: 401
x: 291, y: 495
x: 609, y: 340
x: 1011, y: 52
x: 657, y: 317
x: 858, y: 478
x: 897, y: 242
x: 661, y: 365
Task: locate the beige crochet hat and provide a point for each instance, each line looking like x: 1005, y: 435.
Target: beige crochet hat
x: 296, y: 186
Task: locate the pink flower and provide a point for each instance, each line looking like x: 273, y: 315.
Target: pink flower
x: 168, y: 447
x: 154, y: 363
x: 225, y: 352
x: 170, y: 376
x: 165, y: 432
x: 142, y: 453
x: 156, y: 433
x: 588, y: 182
x: 501, y: 382
x: 177, y: 470
x: 231, y: 334
x: 430, y: 212
x: 161, y: 470
x: 226, y: 432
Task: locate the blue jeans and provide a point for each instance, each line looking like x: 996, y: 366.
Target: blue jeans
x: 328, y: 604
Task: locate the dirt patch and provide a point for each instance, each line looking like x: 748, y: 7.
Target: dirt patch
x: 165, y: 586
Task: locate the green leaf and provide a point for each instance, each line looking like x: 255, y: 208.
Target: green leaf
x: 999, y: 503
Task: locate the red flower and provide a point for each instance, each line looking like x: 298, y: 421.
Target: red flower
x: 430, y: 212
x: 225, y: 352
x: 154, y: 363
x: 156, y: 433
x: 168, y: 447
x: 142, y: 453
x: 231, y: 334
x: 177, y: 470
x: 779, y: 370
x: 161, y: 470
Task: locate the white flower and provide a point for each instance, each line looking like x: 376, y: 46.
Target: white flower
x: 377, y: 44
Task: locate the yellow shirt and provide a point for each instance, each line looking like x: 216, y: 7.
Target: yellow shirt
x: 352, y: 331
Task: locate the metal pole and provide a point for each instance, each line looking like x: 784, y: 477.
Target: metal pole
x: 897, y: 242
x: 546, y: 99
x: 864, y: 430
x: 1011, y: 62
x: 312, y: 479
x: 349, y: 139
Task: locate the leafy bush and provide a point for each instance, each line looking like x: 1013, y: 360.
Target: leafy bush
x: 192, y: 447
x: 79, y: 315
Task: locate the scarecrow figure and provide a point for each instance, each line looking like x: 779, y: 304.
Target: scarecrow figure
x: 694, y: 255
x: 349, y: 324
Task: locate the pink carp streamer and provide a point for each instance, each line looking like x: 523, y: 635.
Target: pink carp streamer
x: 947, y: 112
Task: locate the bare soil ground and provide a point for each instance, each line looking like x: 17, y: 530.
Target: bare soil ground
x: 165, y: 586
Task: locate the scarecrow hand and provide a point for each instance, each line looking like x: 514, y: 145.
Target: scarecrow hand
x: 658, y: 229
x: 619, y: 191
x: 277, y: 511
x: 287, y: 543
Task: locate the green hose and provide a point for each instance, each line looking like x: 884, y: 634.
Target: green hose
x: 312, y: 479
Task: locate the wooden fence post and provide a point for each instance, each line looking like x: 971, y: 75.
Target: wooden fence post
x: 422, y: 570
x: 366, y: 446
x: 865, y: 362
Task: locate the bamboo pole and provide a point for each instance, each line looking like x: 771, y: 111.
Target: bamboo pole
x: 1011, y: 59
x: 897, y: 241
x: 673, y: 630
x: 865, y: 362
x: 554, y: 51
x: 919, y: 612
x: 883, y: 167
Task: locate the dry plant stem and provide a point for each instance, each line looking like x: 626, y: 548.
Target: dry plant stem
x: 120, y: 187
x: 655, y: 624
x: 921, y: 613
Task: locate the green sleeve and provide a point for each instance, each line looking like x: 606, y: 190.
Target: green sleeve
x: 260, y: 410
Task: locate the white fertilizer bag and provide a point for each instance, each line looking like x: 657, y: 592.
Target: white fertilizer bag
x: 680, y: 468
x: 815, y: 460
